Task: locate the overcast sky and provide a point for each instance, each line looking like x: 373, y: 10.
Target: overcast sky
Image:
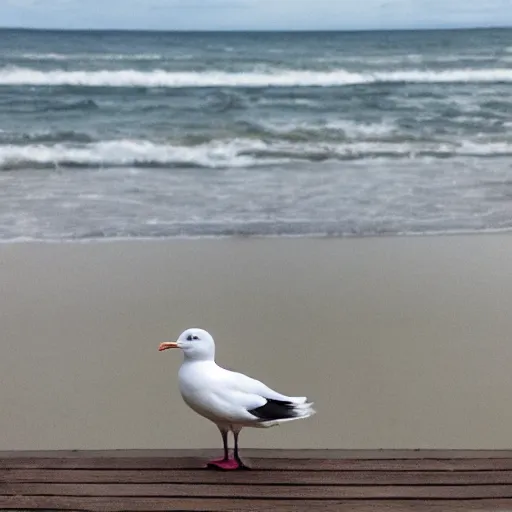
x: 254, y: 14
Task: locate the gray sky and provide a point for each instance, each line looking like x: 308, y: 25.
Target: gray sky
x: 254, y: 14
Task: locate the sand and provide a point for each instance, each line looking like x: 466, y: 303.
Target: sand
x: 401, y: 342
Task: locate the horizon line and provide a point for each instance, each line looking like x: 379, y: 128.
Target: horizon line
x: 268, y: 30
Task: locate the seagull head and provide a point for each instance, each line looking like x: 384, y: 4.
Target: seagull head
x: 196, y: 344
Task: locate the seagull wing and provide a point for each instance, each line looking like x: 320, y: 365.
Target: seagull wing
x: 252, y: 401
x: 247, y: 384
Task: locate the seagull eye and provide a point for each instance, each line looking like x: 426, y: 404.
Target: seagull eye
x: 189, y: 337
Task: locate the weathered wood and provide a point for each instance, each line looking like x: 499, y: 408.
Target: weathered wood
x: 261, y: 491
x: 110, y: 504
x: 265, y: 453
x: 266, y: 464
x: 173, y: 480
x: 257, y: 477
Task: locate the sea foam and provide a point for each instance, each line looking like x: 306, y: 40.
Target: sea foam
x: 271, y: 78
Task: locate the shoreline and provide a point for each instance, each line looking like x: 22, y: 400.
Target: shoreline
x: 239, y: 237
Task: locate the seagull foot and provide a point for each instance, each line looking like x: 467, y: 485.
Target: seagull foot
x: 223, y: 464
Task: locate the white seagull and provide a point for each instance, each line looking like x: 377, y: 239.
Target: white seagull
x: 230, y: 400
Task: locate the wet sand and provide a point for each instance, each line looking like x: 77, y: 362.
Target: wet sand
x: 401, y: 342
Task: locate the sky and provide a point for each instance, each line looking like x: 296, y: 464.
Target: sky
x: 254, y: 14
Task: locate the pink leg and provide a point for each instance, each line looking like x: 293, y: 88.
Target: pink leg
x: 225, y: 463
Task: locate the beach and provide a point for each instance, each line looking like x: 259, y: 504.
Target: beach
x: 401, y: 342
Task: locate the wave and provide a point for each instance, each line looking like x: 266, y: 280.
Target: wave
x: 271, y: 78
x: 333, y: 130
x: 223, y: 154
x: 124, y: 153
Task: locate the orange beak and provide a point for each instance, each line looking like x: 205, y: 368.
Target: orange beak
x: 167, y: 345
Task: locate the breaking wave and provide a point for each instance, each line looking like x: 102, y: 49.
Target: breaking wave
x: 221, y: 154
x: 271, y: 78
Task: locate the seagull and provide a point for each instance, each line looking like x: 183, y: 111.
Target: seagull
x: 229, y: 399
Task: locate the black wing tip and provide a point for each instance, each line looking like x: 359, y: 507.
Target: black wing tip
x: 275, y: 410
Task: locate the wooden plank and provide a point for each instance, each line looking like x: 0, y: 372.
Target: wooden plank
x: 260, y: 491
x: 257, y: 477
x: 137, y: 480
x: 110, y: 504
x: 161, y: 463
x: 265, y: 453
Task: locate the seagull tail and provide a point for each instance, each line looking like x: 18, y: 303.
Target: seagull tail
x: 299, y: 408
x: 303, y: 409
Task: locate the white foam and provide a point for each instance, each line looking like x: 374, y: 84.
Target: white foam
x: 345, y: 127
x: 230, y: 153
x: 271, y: 78
x: 130, y: 152
x: 364, y: 130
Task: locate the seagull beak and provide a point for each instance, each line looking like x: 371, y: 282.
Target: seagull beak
x: 167, y: 344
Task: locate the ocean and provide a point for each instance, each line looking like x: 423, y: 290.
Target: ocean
x: 108, y: 135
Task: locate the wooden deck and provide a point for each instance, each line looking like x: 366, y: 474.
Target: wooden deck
x: 306, y: 480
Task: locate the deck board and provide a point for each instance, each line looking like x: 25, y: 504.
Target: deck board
x: 308, y: 477
x: 263, y: 463
x: 145, y: 480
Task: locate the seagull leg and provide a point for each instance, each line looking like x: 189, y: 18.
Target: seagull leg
x: 238, y: 460
x: 225, y: 463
